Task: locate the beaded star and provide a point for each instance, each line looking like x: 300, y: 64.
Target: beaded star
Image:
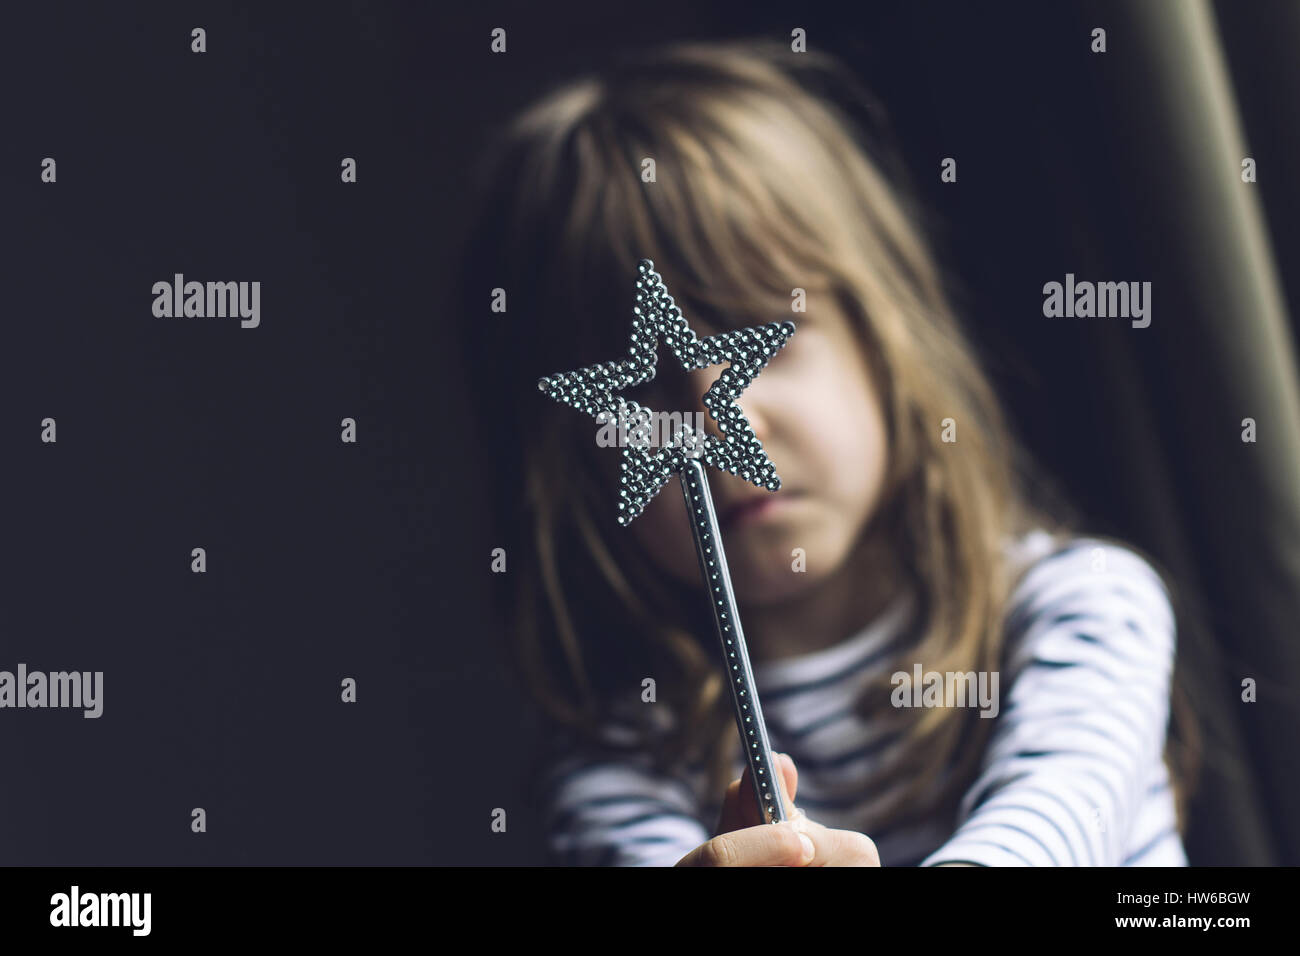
x: 656, y: 316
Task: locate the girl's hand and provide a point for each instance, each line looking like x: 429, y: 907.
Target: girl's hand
x: 744, y: 840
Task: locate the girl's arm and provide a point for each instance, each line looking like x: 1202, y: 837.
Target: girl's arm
x: 1083, y: 714
x: 610, y: 808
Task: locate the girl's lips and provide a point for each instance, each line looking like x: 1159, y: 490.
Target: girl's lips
x: 755, y: 509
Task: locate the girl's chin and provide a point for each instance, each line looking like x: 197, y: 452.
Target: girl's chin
x: 766, y: 589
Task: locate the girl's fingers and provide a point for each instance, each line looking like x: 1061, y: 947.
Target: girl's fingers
x: 731, y: 817
x: 838, y: 847
x: 740, y: 809
x: 763, y: 845
x: 789, y: 781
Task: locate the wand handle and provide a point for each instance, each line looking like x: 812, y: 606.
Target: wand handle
x: 744, y: 694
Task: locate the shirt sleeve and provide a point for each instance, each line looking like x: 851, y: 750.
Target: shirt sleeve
x: 1082, y: 723
x: 609, y: 808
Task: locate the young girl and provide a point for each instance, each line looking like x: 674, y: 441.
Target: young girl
x: 902, y: 543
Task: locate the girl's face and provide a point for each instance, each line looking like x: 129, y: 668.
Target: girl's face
x: 815, y: 409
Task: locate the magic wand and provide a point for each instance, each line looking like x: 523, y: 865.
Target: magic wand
x: 645, y: 470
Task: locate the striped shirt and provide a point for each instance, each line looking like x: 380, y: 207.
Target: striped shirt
x: 1071, y: 774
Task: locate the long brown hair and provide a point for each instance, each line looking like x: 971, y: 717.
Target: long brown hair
x: 767, y: 177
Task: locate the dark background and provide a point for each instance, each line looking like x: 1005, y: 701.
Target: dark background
x: 328, y: 560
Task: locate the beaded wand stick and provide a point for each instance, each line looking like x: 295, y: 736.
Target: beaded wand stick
x: 594, y: 389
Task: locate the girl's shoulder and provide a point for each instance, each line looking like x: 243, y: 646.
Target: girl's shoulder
x: 1040, y: 554
x: 1083, y: 574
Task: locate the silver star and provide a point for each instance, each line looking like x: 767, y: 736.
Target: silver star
x: 592, y: 390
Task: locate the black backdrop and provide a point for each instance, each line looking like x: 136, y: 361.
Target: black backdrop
x: 370, y: 560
